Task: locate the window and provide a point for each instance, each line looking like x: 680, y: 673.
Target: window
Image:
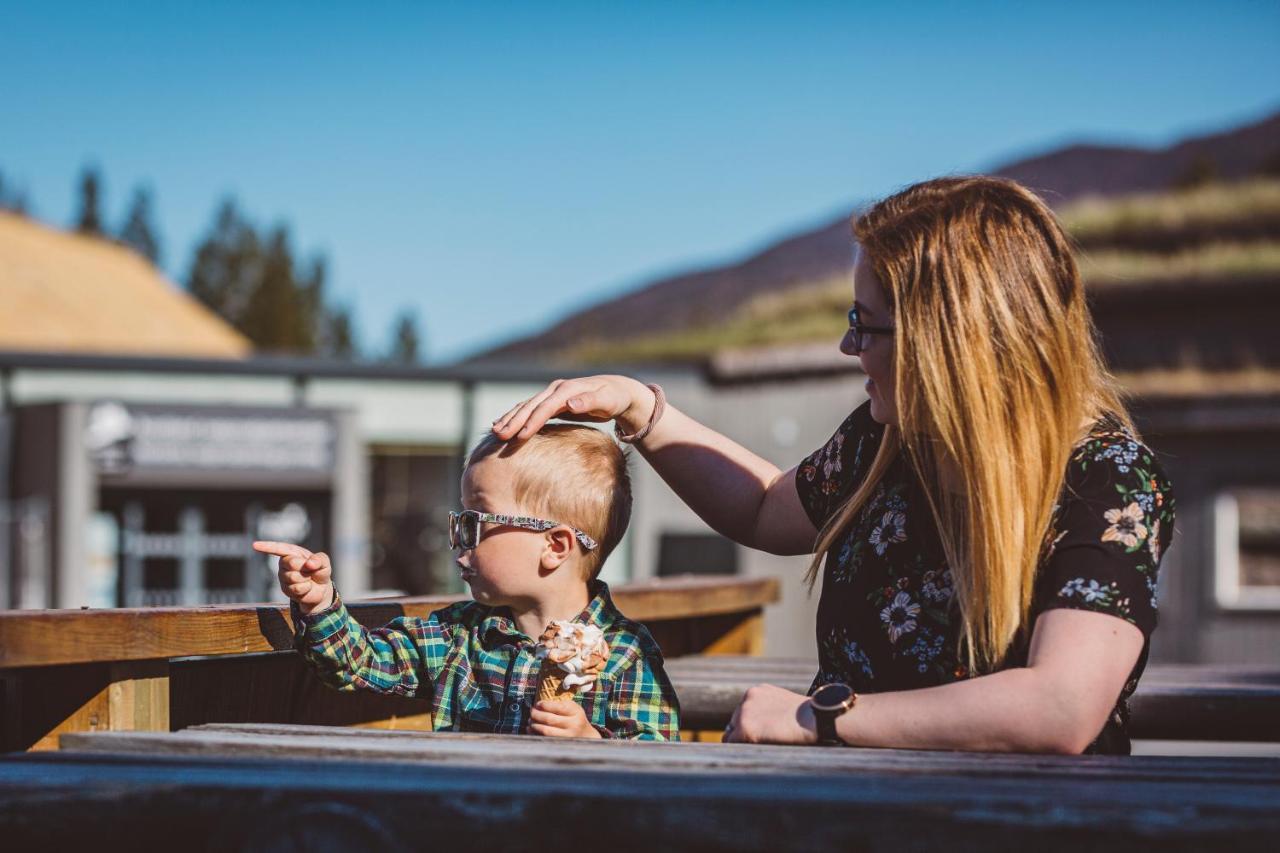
x: 1247, y: 549
x: 696, y: 554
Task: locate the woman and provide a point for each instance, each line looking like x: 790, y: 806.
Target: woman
x: 988, y: 523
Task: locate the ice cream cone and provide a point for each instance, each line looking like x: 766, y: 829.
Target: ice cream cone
x: 551, y: 683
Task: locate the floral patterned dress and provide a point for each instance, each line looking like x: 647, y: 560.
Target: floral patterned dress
x: 887, y: 618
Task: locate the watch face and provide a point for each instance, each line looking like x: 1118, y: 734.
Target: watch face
x: 832, y: 697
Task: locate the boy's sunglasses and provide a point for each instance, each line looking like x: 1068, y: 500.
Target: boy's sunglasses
x: 464, y: 528
x: 858, y: 332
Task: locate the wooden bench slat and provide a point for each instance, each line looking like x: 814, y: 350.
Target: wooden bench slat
x: 1172, y: 702
x: 30, y: 638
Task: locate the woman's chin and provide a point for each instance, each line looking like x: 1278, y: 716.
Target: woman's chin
x: 879, y: 412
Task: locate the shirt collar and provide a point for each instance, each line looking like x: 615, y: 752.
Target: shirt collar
x: 498, y: 628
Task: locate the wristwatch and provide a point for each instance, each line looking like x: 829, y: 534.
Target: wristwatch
x: 830, y: 701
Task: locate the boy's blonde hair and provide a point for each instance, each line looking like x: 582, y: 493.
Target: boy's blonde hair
x: 571, y: 474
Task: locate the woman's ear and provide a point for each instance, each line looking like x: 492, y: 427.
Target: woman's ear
x: 559, y: 546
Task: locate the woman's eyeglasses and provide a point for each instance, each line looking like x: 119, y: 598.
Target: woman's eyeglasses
x: 464, y: 527
x: 858, y: 332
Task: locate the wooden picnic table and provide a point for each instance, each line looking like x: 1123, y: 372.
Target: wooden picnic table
x: 1172, y: 702
x: 162, y: 668
x: 288, y: 787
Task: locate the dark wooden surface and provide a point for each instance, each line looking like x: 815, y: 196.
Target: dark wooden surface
x: 1173, y: 701
x: 315, y: 788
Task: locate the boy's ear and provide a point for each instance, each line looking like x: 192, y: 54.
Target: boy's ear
x: 560, y: 542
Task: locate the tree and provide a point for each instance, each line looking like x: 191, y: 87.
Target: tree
x: 254, y: 283
x: 405, y: 343
x: 279, y: 313
x: 339, y: 340
x: 89, y: 220
x: 137, y: 231
x: 227, y: 265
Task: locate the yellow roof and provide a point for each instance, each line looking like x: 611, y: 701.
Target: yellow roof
x: 65, y: 292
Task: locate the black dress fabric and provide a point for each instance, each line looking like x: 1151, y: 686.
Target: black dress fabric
x: 887, y: 617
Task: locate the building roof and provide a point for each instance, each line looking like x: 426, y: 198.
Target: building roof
x: 69, y: 293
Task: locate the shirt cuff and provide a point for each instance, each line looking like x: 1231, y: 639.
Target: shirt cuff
x: 321, y: 625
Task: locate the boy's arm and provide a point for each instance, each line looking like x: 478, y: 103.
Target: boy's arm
x: 349, y: 656
x: 642, y: 703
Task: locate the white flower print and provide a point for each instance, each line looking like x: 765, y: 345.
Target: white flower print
x: 1153, y: 541
x: 900, y: 616
x: 892, y: 528
x: 1126, y: 526
x: 831, y: 455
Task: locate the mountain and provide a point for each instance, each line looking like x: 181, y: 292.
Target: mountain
x: 824, y: 253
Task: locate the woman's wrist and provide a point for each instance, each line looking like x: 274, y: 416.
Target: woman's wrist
x: 639, y: 411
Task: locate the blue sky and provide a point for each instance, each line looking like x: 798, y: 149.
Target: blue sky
x: 493, y: 166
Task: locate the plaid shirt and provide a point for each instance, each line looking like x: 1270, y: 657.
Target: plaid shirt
x: 481, y: 671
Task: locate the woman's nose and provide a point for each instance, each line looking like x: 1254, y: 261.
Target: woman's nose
x: 847, y: 344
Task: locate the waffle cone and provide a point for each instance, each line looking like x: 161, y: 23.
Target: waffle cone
x: 551, y: 683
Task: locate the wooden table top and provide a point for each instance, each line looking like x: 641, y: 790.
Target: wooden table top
x: 219, y: 780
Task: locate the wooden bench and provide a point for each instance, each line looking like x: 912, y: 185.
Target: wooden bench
x: 157, y: 669
x: 263, y: 787
x: 1173, y: 701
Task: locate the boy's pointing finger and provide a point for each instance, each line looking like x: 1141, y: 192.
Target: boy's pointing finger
x: 281, y: 549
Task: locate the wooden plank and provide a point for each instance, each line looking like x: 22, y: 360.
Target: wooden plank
x: 48, y: 702
x: 461, y: 749
x: 60, y: 801
x: 54, y: 637
x: 1179, y: 702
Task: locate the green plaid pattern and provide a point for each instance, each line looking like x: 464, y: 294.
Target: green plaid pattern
x: 481, y: 671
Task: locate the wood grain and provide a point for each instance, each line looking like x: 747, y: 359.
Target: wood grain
x: 56, y: 637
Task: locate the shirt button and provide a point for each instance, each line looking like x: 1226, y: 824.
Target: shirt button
x: 514, y: 706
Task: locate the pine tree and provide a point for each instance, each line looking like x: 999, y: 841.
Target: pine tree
x: 90, y: 220
x: 277, y: 316
x: 340, y: 337
x: 253, y: 282
x: 406, y: 342
x: 227, y: 265
x: 137, y: 231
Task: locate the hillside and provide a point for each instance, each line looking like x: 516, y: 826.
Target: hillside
x: 688, y: 312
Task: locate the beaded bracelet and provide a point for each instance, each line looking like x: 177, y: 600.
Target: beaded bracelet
x: 659, y: 406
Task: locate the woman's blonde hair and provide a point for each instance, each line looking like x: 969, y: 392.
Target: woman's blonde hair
x: 998, y: 374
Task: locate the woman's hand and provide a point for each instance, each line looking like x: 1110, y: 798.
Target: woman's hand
x: 590, y: 398
x: 770, y: 714
x: 560, y: 718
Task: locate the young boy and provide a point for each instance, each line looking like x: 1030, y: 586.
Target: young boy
x: 540, y: 517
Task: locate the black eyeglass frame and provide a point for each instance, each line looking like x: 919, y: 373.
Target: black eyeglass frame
x: 858, y: 332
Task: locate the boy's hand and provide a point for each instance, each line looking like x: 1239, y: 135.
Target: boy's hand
x: 553, y: 718
x: 304, y: 576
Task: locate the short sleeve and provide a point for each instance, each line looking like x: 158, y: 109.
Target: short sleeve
x: 1112, y: 526
x: 832, y: 472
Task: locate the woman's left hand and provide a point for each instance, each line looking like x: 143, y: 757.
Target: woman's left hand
x: 769, y: 714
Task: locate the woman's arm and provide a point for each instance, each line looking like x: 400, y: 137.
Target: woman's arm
x: 1077, y: 666
x: 738, y: 494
